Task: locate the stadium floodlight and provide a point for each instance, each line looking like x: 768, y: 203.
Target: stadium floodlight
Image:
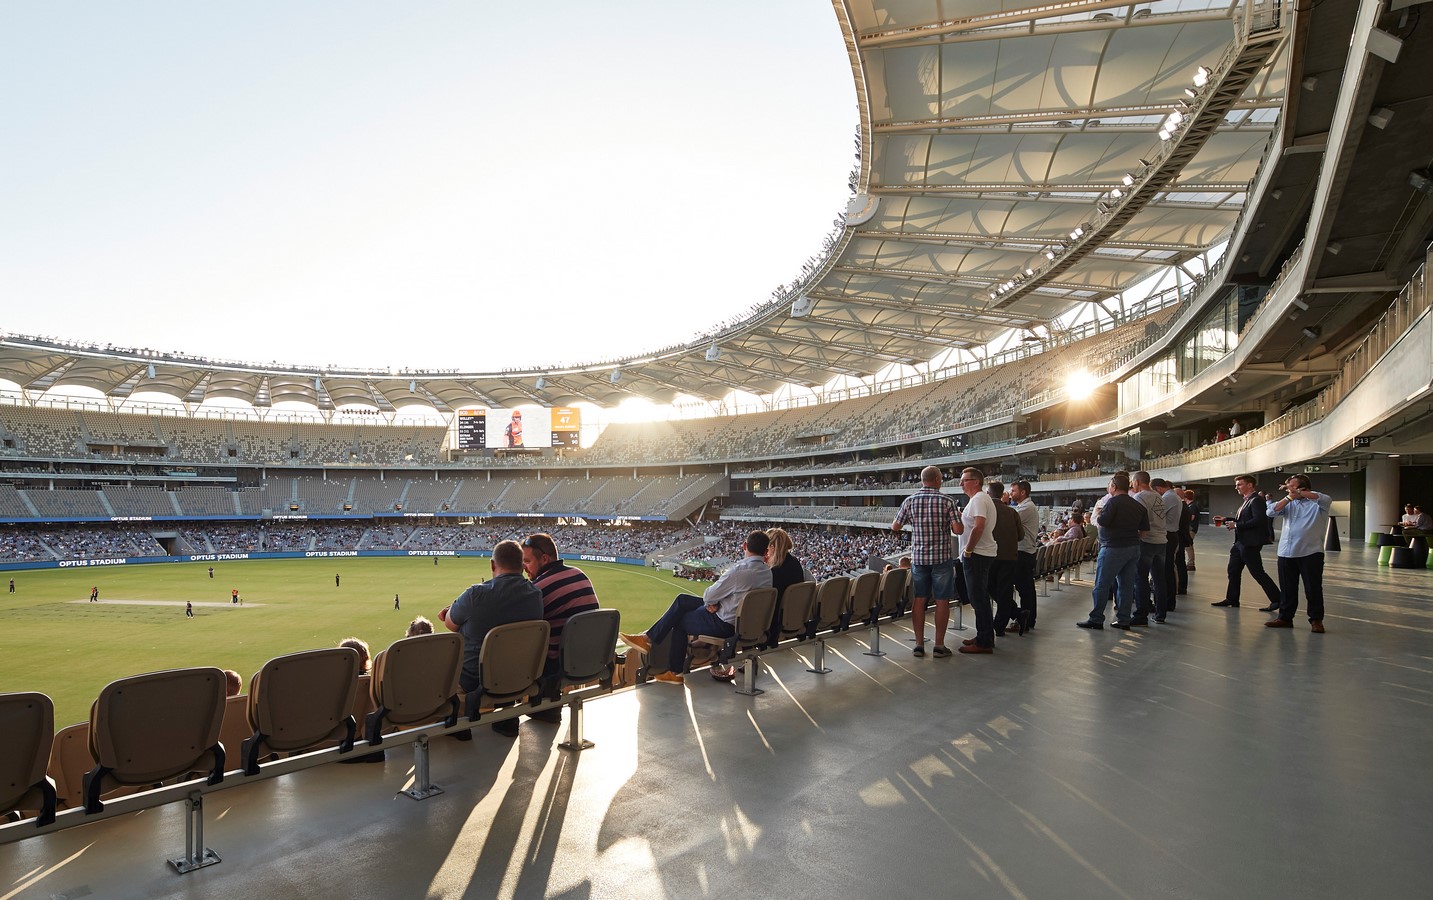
x: 1201, y: 76
x: 1128, y: 179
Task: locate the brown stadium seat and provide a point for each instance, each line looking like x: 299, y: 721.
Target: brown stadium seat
x: 235, y: 729
x: 70, y: 761
x: 862, y: 600
x: 831, y: 596
x: 301, y: 701
x: 753, y: 621
x: 891, y: 598
x: 796, y: 611
x: 148, y: 729
x: 415, y: 682
x: 587, y: 651
x: 509, y: 665
x: 27, y: 731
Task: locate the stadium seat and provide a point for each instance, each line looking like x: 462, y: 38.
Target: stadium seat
x: 861, y: 603
x: 301, y: 701
x: 830, y: 603
x: 890, y: 604
x: 70, y: 761
x: 27, y: 723
x: 510, y: 666
x: 794, y: 618
x: 147, y: 729
x: 753, y: 621
x: 415, y: 682
x: 586, y: 655
x: 234, y: 731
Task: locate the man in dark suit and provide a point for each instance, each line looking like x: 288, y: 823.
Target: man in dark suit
x: 1252, y: 530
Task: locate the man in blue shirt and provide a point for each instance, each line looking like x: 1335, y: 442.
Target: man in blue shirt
x: 1301, y: 551
x: 713, y: 613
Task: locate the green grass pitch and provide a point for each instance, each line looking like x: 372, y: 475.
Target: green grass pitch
x: 54, y: 641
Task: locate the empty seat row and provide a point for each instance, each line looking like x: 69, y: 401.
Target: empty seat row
x: 178, y: 728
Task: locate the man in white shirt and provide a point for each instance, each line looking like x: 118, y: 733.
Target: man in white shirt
x: 1173, y: 546
x: 977, y: 557
x: 1151, y: 557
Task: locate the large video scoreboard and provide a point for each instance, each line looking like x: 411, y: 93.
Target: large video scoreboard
x: 481, y: 428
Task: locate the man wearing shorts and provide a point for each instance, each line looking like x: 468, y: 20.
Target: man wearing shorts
x: 933, y: 518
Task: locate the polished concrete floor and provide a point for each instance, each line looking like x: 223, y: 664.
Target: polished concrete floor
x: 1209, y: 757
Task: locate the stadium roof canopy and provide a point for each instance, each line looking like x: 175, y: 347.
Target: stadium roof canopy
x: 1015, y: 162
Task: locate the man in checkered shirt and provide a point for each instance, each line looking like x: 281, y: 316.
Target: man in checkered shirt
x: 933, y: 518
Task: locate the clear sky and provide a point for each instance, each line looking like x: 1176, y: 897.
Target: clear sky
x: 469, y: 185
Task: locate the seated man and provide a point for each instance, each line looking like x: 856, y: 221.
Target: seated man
x: 566, y: 591
x: 482, y: 607
x: 713, y: 613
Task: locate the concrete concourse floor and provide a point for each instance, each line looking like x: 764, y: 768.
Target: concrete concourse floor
x: 1210, y: 757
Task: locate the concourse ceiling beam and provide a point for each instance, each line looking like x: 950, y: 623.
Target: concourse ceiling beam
x: 1040, y: 117
x: 1026, y: 21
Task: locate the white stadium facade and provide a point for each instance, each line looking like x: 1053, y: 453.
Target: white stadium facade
x: 1080, y: 237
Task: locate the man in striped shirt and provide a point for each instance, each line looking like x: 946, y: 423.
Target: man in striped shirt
x: 566, y: 591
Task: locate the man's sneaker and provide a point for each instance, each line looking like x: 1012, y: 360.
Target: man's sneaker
x: 919, y: 650
x: 506, y: 728
x: 940, y: 652
x: 669, y: 678
x: 1094, y: 626
x: 636, y: 641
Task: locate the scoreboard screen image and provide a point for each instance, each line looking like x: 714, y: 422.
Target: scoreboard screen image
x: 530, y: 427
x: 472, y: 429
x: 566, y: 426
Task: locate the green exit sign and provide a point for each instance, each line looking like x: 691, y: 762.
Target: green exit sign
x: 1312, y: 470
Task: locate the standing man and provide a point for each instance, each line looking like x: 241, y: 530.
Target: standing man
x: 189, y: 609
x: 335, y: 580
x: 513, y: 431
x: 1251, y: 527
x: 712, y: 613
x: 1121, y: 520
x: 1194, y: 513
x: 395, y: 602
x: 1301, y: 551
x: 211, y: 572
x: 482, y: 607
x: 977, y: 558
x: 1174, y: 544
x: 933, y: 517
x: 12, y: 585
x: 1007, y: 531
x: 1025, y: 559
x: 95, y: 594
x: 1152, y: 544
x: 566, y: 591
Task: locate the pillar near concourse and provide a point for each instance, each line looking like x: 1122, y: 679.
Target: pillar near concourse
x: 1380, y: 494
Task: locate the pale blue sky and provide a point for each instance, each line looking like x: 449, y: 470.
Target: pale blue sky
x: 458, y: 185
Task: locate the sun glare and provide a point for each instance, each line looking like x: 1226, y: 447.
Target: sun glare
x: 1080, y: 384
